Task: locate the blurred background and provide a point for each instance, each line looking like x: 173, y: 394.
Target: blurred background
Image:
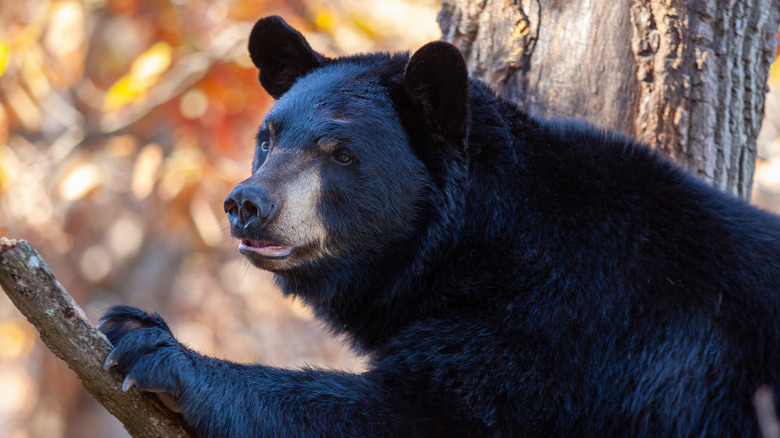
x: 123, y: 125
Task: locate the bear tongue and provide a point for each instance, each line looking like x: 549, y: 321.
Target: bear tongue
x: 266, y: 248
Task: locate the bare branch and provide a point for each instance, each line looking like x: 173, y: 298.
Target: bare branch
x: 66, y: 330
x: 763, y: 400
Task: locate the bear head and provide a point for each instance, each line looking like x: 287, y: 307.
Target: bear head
x: 353, y: 153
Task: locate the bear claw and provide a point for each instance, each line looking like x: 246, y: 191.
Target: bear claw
x: 128, y: 383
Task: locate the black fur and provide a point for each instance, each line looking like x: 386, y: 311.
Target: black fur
x: 506, y: 276
x: 283, y: 52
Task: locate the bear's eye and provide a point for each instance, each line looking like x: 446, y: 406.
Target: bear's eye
x: 343, y: 157
x: 264, y: 146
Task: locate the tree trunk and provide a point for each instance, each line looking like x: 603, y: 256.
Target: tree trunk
x: 688, y: 77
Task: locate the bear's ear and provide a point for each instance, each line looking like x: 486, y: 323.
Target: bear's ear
x: 436, y: 77
x: 281, y: 53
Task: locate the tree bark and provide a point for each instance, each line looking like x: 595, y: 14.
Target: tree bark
x: 66, y: 330
x: 688, y: 77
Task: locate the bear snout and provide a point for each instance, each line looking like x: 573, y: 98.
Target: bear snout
x: 248, y: 208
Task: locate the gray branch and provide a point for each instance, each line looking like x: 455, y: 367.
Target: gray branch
x: 67, y: 332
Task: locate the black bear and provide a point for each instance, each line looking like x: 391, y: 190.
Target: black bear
x: 506, y: 276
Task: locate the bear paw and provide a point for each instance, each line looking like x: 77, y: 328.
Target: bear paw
x: 146, y: 353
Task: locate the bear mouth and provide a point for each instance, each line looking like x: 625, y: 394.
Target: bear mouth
x: 264, y: 248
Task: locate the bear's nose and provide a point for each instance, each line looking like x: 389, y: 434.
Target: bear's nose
x: 248, y: 206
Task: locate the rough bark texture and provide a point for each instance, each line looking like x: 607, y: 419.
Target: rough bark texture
x: 66, y: 330
x: 688, y: 77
